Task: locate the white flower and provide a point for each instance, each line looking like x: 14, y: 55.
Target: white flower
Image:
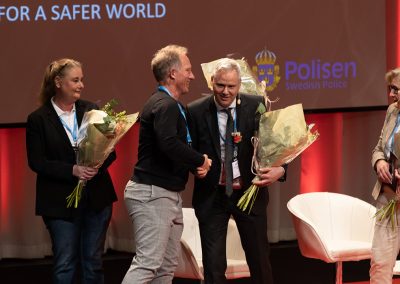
x: 93, y: 116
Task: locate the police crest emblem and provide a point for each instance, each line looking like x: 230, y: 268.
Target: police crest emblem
x: 266, y: 69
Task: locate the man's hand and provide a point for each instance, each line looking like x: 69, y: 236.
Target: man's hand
x: 269, y: 175
x: 202, y: 171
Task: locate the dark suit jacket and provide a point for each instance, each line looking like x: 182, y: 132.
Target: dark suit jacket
x: 52, y: 157
x: 205, y: 135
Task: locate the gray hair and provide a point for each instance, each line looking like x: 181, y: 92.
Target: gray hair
x: 226, y: 64
x: 165, y: 59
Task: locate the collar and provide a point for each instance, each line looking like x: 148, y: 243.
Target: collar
x: 219, y: 108
x: 59, y: 111
x: 167, y: 90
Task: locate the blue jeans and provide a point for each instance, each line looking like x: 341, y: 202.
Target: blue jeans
x: 79, y: 240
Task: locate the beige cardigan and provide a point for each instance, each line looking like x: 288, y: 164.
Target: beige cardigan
x: 378, y: 153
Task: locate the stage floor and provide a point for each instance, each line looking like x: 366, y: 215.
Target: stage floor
x: 289, y: 267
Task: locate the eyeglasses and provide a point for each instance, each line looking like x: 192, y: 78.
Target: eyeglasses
x: 393, y: 89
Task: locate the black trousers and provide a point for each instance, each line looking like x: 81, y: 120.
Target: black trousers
x: 253, y: 234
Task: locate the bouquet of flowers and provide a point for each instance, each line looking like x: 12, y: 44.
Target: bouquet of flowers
x: 99, y: 132
x: 389, y: 211
x: 282, y: 136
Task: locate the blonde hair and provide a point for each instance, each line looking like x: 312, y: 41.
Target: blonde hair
x: 54, y: 69
x: 166, y: 58
x: 391, y: 75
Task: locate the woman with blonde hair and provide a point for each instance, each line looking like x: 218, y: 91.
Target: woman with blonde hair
x: 386, y: 241
x: 77, y: 234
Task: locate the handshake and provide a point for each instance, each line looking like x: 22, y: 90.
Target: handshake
x: 202, y: 171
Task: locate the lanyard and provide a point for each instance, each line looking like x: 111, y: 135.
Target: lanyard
x: 395, y: 130
x: 182, y: 111
x: 74, y: 132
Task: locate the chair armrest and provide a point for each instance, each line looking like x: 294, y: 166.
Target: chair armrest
x: 188, y: 266
x: 310, y: 243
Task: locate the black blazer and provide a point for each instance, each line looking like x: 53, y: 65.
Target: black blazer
x: 205, y: 135
x: 52, y: 157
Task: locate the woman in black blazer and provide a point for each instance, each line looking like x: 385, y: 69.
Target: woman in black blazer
x: 77, y: 234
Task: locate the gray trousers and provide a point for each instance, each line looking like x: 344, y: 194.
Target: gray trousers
x: 157, y: 225
x: 385, y: 247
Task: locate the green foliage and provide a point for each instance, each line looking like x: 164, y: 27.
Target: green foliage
x: 261, y: 109
x: 388, y: 212
x: 113, y: 116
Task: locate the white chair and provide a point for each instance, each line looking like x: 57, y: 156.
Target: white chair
x: 190, y: 264
x: 396, y: 268
x: 333, y: 227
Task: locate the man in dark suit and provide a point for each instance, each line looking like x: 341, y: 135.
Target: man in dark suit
x: 222, y: 126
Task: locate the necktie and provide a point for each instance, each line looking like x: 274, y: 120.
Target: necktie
x: 228, y: 153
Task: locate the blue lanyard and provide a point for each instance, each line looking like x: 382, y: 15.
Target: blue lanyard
x: 74, y: 132
x: 395, y: 130
x: 182, y: 111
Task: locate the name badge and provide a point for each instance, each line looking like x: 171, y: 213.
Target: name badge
x: 235, y: 169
